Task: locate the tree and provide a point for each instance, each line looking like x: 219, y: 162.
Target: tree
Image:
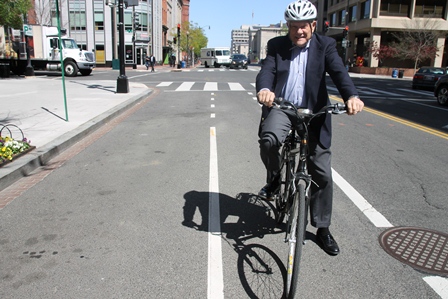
x: 12, y: 11
x: 381, y: 52
x: 196, y: 38
x: 419, y: 41
x: 43, y: 12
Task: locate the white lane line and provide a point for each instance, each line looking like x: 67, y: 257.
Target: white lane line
x: 185, y: 86
x: 213, y: 115
x: 439, y: 284
x: 235, y: 86
x: 211, y: 86
x: 164, y: 84
x: 427, y: 93
x: 215, y: 271
x: 371, y: 213
x: 212, y: 106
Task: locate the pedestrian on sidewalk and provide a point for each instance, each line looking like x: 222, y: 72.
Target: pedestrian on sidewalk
x: 173, y: 60
x: 152, y: 62
x: 147, y: 62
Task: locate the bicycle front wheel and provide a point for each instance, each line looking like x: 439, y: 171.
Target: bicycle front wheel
x: 296, y: 240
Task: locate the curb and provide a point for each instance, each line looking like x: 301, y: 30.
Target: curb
x: 40, y: 156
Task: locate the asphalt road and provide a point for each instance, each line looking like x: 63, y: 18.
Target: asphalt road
x: 128, y: 217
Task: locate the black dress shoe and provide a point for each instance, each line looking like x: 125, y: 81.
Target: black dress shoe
x: 269, y: 190
x: 328, y: 243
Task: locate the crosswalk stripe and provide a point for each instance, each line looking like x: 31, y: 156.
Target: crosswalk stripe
x: 235, y: 86
x: 185, y: 86
x: 211, y: 86
x: 164, y: 84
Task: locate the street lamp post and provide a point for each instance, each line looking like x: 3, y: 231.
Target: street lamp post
x: 122, y: 80
x: 178, y: 47
x: 188, y: 49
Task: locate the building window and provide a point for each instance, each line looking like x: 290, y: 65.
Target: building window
x: 342, y: 17
x: 365, y: 10
x: 430, y: 8
x: 99, y: 20
x: 144, y: 21
x: 333, y: 19
x: 352, y: 13
x: 395, y: 8
x: 77, y: 20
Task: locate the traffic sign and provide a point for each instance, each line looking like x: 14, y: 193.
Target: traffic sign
x: 28, y: 30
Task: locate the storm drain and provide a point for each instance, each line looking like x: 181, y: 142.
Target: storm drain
x: 423, y: 249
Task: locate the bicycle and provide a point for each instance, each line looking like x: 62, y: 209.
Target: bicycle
x: 292, y: 197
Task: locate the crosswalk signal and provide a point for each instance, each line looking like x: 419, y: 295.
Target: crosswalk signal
x: 345, y: 32
x: 178, y: 29
x: 174, y: 40
x: 326, y: 26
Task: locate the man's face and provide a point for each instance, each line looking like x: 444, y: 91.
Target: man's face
x: 300, y: 32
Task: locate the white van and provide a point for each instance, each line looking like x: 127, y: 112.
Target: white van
x: 215, y: 57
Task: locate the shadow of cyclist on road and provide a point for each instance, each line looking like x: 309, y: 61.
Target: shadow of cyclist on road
x: 242, y: 218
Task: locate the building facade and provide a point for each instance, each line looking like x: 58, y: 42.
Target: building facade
x: 149, y: 26
x: 368, y: 21
x: 375, y: 21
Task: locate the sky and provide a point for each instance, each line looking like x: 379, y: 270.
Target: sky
x: 225, y: 15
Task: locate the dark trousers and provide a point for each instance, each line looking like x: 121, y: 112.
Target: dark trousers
x: 273, y: 132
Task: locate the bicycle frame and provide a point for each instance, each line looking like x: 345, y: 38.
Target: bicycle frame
x: 298, y: 143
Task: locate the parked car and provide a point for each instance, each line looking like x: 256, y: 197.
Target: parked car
x: 238, y: 60
x: 426, y: 77
x: 441, y: 90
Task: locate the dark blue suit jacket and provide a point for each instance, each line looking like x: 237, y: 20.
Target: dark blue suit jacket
x: 323, y: 58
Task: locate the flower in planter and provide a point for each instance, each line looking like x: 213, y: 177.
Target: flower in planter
x: 10, y: 147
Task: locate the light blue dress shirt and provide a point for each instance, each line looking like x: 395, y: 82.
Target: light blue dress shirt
x: 294, y: 90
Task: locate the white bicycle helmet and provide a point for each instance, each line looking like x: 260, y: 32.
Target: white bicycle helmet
x: 300, y: 10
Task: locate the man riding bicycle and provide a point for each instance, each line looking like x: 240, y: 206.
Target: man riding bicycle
x: 295, y: 68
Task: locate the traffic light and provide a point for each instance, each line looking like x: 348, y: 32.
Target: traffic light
x: 326, y: 26
x: 136, y: 20
x: 345, y: 32
x: 174, y: 40
x: 178, y: 29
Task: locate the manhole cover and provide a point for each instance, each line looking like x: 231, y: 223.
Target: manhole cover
x: 420, y: 248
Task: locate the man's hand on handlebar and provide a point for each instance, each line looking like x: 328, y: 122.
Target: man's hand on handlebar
x: 266, y: 97
x: 354, y: 105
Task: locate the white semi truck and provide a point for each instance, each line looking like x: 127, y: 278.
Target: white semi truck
x: 43, y: 45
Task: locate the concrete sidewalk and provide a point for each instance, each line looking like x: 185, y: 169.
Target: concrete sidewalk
x: 38, y: 107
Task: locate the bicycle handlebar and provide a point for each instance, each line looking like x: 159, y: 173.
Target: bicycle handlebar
x: 337, y: 108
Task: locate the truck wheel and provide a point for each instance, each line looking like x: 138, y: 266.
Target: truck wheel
x: 85, y: 72
x: 206, y: 64
x: 217, y: 65
x: 70, y: 69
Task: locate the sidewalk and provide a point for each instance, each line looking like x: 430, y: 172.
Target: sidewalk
x: 37, y: 106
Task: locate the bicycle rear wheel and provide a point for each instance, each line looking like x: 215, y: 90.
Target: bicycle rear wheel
x: 296, y: 240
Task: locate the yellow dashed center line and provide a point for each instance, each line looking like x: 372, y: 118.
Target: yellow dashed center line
x: 400, y: 120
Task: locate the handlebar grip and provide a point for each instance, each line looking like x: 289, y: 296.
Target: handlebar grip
x: 278, y: 100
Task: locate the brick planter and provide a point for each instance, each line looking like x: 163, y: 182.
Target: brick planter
x: 385, y: 71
